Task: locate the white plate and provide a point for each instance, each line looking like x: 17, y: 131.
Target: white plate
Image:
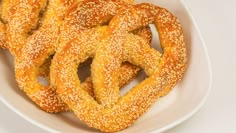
x: 186, y: 98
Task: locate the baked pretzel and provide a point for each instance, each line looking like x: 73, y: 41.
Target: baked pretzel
x: 164, y: 70
x: 44, y: 43
x: 101, y: 6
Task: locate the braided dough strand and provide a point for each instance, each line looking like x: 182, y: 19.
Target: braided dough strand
x: 8, y: 9
x: 24, y: 19
x: 38, y: 48
x: 87, y: 14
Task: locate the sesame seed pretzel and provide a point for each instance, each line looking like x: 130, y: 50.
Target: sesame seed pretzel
x: 44, y: 43
x: 163, y: 70
x: 127, y: 71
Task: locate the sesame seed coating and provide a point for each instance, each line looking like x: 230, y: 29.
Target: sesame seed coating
x: 84, y: 13
x: 2, y: 35
x: 73, y: 30
x: 164, y: 70
x: 35, y: 55
x: 37, y: 49
x: 24, y: 17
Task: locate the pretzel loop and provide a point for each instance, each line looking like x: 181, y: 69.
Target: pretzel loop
x: 164, y: 70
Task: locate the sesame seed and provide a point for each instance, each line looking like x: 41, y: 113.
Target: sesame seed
x: 74, y: 31
x: 119, y: 45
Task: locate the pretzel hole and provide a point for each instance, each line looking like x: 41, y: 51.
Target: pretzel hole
x: 140, y: 77
x: 155, y: 39
x: 84, y: 70
x: 43, y: 81
x: 155, y: 44
x: 43, y: 72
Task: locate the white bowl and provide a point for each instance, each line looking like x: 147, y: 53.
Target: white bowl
x: 186, y: 98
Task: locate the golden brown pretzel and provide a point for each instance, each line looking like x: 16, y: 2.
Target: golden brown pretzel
x: 43, y: 43
x: 164, y: 70
x: 101, y: 7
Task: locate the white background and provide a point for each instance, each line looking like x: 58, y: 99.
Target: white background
x: 217, y: 23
